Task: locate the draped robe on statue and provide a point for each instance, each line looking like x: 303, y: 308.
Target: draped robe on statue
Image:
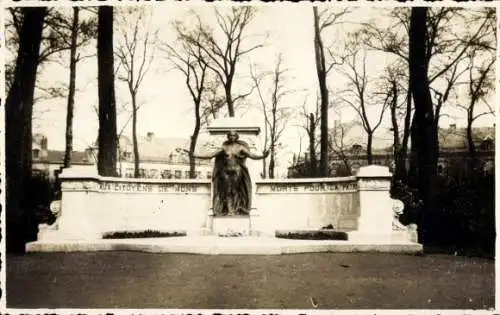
x: 232, y: 187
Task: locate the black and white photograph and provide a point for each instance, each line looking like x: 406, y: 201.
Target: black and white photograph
x: 241, y: 157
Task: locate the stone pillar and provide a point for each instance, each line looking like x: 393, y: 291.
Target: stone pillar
x: 376, y: 213
x: 80, y: 204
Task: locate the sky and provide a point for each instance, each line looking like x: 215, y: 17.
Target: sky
x: 168, y: 109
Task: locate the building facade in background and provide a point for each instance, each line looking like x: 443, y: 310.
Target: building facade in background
x: 159, y: 158
x: 453, y: 152
x: 47, y: 162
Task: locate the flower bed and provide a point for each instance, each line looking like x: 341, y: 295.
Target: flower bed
x: 312, y: 235
x: 142, y: 234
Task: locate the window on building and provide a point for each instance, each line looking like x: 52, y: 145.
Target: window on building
x: 198, y: 174
x: 36, y: 153
x: 126, y: 155
x: 129, y: 172
x: 166, y: 174
x: 142, y: 173
x: 209, y: 175
x: 178, y: 173
x: 186, y: 174
x: 153, y: 173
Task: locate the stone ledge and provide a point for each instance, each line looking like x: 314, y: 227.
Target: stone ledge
x: 395, y: 236
x: 211, y: 245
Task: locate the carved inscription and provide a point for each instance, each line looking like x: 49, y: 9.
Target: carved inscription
x: 307, y: 187
x: 150, y: 188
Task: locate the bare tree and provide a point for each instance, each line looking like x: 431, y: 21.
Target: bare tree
x: 213, y: 101
x: 275, y: 114
x: 135, y: 53
x: 393, y: 84
x: 86, y: 31
x: 257, y: 81
x: 192, y: 62
x: 337, y: 144
x: 223, y: 56
x: 56, y: 34
x: 358, y: 95
x: 71, y: 94
x: 311, y: 120
x: 322, y: 20
x: 444, y: 55
x: 480, y: 83
x: 61, y: 32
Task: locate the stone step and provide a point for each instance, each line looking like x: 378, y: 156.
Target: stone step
x: 213, y: 245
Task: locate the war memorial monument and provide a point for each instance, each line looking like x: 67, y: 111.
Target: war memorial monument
x: 235, y: 212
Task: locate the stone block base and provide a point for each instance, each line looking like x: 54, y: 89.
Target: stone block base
x: 212, y: 245
x: 237, y: 225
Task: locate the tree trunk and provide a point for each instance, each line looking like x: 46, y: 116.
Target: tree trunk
x: 412, y: 177
x: 399, y: 162
x: 194, y: 139
x: 264, y: 160
x: 312, y: 145
x: 401, y: 170
x: 107, y: 141
x: 264, y: 168
x: 321, y: 72
x: 369, y: 144
x: 18, y: 133
x: 135, y: 145
x: 229, y: 100
x: 271, y: 161
x: 71, y: 93
x: 425, y: 135
x: 347, y: 166
x: 470, y: 143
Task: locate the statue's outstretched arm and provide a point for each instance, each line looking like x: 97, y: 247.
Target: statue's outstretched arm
x: 255, y: 156
x: 206, y: 156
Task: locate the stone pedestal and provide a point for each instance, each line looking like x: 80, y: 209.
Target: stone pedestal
x: 246, y: 225
x: 376, y: 214
x: 80, y: 198
x: 231, y: 225
x: 255, y: 228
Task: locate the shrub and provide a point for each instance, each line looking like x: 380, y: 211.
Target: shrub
x: 312, y: 235
x: 142, y: 234
x: 22, y: 223
x: 463, y: 219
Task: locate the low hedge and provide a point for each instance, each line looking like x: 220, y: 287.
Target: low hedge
x: 142, y: 234
x: 312, y: 235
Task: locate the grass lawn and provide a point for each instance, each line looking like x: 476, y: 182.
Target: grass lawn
x: 332, y: 280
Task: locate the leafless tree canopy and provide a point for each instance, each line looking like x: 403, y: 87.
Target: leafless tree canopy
x: 135, y: 53
x: 275, y: 113
x: 223, y: 56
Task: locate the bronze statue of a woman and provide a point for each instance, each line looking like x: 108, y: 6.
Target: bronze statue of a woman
x: 230, y: 178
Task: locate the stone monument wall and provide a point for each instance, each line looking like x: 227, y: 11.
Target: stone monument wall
x: 311, y: 203
x: 92, y: 206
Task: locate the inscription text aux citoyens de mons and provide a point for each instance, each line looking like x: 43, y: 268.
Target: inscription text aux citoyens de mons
x: 150, y: 187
